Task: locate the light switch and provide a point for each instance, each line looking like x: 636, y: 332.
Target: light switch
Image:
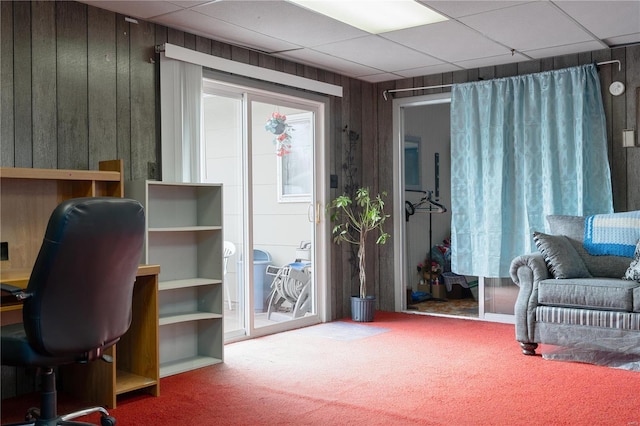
x: 628, y: 138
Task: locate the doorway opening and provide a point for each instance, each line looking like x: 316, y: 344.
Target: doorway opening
x: 422, y: 166
x: 425, y: 161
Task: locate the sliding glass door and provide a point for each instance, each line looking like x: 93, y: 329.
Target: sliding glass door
x: 263, y: 147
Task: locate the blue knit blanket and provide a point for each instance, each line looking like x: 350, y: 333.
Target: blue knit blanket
x: 612, y: 234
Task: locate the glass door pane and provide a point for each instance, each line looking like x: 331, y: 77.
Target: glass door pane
x: 223, y: 163
x: 500, y: 296
x: 283, y: 226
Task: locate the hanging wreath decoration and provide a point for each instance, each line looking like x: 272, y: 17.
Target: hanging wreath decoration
x: 277, y: 125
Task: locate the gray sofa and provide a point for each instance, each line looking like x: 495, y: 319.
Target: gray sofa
x: 570, y: 298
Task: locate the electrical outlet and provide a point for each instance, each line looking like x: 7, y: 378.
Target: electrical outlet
x: 152, y: 170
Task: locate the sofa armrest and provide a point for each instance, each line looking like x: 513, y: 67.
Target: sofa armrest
x: 534, y: 269
x: 526, y: 272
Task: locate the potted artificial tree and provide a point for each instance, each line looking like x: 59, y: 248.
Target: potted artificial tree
x: 354, y: 219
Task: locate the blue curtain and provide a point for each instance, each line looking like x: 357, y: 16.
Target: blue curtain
x: 522, y: 148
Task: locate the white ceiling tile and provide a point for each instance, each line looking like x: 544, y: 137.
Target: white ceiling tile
x: 626, y: 39
x: 605, y: 19
x: 477, y: 35
x: 197, y: 23
x: 448, y: 41
x: 136, y: 9
x: 377, y: 78
x: 379, y: 53
x: 323, y: 60
x: 491, y: 61
x: 282, y: 20
x: 528, y: 26
x: 457, y: 9
x: 186, y: 4
x: 563, y: 50
x: 435, y: 69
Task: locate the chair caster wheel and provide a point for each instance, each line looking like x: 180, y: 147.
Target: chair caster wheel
x: 107, y: 421
x: 32, y: 415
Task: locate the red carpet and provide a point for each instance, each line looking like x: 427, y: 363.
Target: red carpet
x: 418, y: 370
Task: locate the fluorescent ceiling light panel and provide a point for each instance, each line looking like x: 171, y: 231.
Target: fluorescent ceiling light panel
x: 375, y: 16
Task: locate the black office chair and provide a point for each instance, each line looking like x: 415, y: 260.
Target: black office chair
x: 78, y: 300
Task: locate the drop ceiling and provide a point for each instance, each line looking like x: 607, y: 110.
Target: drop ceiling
x: 478, y: 33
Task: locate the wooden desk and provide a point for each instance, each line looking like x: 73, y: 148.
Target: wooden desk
x: 135, y: 357
x: 27, y: 198
x: 10, y: 308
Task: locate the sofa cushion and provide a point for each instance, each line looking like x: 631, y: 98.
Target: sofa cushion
x: 592, y: 293
x: 570, y: 226
x: 561, y: 257
x: 633, y: 271
x: 573, y: 228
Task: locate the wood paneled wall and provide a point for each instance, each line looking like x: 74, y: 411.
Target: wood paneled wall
x: 80, y: 85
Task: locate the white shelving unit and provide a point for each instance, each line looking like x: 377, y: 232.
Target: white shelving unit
x: 184, y: 237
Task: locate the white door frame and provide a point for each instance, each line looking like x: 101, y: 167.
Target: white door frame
x: 400, y: 269
x: 399, y: 226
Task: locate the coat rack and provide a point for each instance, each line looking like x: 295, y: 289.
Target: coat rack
x: 427, y: 204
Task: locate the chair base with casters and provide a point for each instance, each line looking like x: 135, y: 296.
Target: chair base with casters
x: 16, y: 350
x: 46, y: 414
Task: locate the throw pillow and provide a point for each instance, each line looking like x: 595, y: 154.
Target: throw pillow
x: 598, y: 266
x: 633, y: 272
x: 561, y: 257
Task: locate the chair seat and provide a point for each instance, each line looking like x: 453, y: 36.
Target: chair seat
x: 16, y: 350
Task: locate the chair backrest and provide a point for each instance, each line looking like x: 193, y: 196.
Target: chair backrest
x: 229, y: 250
x: 82, y: 280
